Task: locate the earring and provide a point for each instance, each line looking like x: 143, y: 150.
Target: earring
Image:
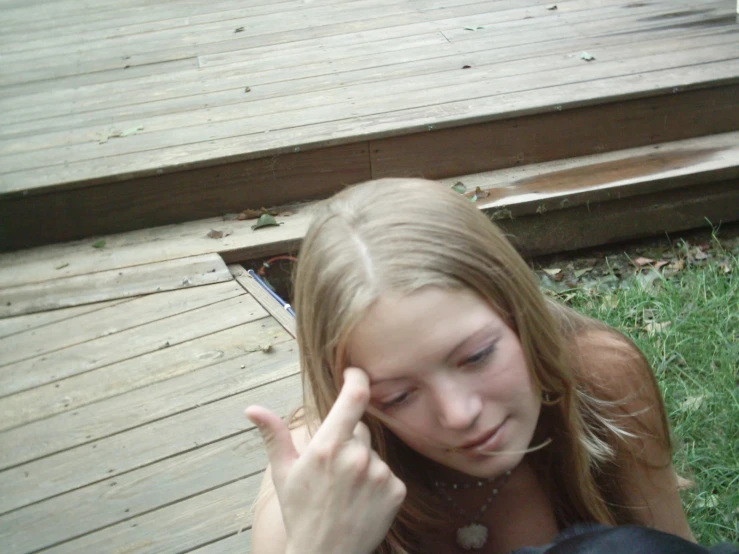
x: 546, y: 398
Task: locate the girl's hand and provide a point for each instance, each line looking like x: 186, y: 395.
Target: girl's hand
x: 338, y: 496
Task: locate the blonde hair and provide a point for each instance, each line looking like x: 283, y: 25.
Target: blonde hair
x: 400, y: 235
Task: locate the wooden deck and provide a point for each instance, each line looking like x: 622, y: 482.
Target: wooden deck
x: 128, y: 115
x: 126, y: 360
x: 122, y: 425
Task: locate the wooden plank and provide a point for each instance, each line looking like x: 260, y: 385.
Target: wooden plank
x: 267, y: 301
x: 135, y: 449
x: 262, y: 373
x: 390, y: 109
x: 298, y: 55
x: 231, y: 188
x: 378, y: 68
x: 216, y: 353
x: 599, y: 223
x: 188, y: 524
x: 153, y: 245
x: 159, y: 336
x: 194, y: 271
x: 239, y: 543
x: 589, y: 130
x: 116, y: 318
x: 19, y: 324
x: 543, y: 187
x: 268, y: 100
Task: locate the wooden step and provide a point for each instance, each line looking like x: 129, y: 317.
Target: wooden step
x: 90, y: 147
x: 546, y: 207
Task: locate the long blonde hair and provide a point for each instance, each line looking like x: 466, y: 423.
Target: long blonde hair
x: 400, y: 235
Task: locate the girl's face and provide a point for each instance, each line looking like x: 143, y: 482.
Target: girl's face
x: 449, y: 373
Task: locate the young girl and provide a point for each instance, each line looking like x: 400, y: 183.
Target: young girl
x: 449, y: 406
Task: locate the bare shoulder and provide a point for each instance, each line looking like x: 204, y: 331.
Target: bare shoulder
x: 268, y: 531
x: 611, y: 362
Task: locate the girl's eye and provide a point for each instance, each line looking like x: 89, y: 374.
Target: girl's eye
x: 479, y: 358
x: 395, y: 402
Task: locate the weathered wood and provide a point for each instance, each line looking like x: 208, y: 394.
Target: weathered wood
x: 558, y: 134
x: 114, y: 319
x: 599, y: 223
x: 212, y: 379
x: 143, y: 446
x: 161, y: 336
x: 240, y: 543
x: 185, y: 95
x: 19, y: 324
x: 111, y: 285
x: 152, y: 245
x: 264, y: 298
x: 232, y: 187
x: 542, y: 187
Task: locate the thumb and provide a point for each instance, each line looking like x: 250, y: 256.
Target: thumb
x: 277, y: 440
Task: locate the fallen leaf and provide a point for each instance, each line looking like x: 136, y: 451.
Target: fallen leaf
x: 99, y: 244
x: 62, y: 266
x: 580, y: 272
x: 678, y: 265
x: 214, y: 234
x: 660, y: 264
x: 692, y: 402
x: 459, y: 187
x: 481, y: 193
x: 587, y: 57
x: 726, y: 268
x: 709, y: 501
x: 239, y: 30
x: 641, y: 261
x: 653, y: 327
x: 266, y: 348
x: 552, y: 7
x: 265, y: 220
x: 698, y: 254
x: 251, y: 214
x: 466, y: 67
x: 553, y: 271
x: 247, y: 89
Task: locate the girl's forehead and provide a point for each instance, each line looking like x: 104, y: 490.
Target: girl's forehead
x: 402, y: 331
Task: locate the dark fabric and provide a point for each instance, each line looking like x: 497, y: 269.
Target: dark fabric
x: 629, y: 539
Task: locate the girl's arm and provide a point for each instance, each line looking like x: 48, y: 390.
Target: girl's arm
x: 647, y: 478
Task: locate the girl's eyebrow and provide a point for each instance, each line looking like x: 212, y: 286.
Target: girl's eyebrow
x: 487, y: 330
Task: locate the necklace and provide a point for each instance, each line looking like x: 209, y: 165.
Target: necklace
x: 474, y: 535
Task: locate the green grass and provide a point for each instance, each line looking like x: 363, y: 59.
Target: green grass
x: 688, y: 327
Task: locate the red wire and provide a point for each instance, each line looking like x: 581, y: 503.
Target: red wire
x: 266, y: 264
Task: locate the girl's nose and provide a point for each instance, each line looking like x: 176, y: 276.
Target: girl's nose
x: 458, y: 408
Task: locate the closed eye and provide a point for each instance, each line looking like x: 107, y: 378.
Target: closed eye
x: 395, y: 402
x: 480, y: 357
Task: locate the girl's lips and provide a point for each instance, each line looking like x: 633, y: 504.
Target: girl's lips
x: 484, y: 443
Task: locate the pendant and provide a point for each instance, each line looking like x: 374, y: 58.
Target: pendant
x: 472, y: 537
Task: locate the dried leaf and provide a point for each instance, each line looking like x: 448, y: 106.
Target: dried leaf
x: 698, y: 254
x: 678, y: 265
x: 239, y: 30
x: 62, y: 266
x: 265, y: 220
x: 692, y: 403
x: 660, y: 264
x: 587, y: 57
x: 215, y: 234
x: 553, y: 271
x: 725, y: 267
x: 459, y: 187
x: 641, y: 261
x: 480, y: 193
x: 247, y: 89
x: 251, y: 214
x: 99, y: 244
x: 653, y: 327
x: 552, y: 7
x: 266, y: 348
x: 580, y: 272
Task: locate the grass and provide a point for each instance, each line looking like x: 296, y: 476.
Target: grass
x: 688, y: 326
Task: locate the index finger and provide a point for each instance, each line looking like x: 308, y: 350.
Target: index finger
x: 348, y: 409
